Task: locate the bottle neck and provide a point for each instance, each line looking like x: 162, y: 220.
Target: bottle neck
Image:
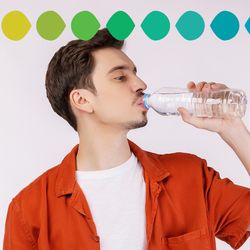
x: 145, y: 101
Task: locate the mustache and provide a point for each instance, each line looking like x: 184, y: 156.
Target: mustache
x: 139, y: 95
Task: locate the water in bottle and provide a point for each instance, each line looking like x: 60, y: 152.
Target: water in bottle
x: 215, y: 103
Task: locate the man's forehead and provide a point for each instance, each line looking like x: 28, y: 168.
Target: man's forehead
x: 109, y: 58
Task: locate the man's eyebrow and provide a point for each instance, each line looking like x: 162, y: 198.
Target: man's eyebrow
x: 121, y: 67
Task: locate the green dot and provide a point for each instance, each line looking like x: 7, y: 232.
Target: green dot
x: 120, y: 25
x: 156, y: 25
x: 84, y: 25
x: 190, y: 25
x: 15, y: 25
x: 225, y: 25
x: 50, y: 25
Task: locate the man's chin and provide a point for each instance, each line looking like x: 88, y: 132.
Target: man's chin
x: 137, y: 124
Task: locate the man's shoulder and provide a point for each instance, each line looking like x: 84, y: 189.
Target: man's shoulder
x: 45, y: 182
x: 178, y: 159
x: 179, y: 162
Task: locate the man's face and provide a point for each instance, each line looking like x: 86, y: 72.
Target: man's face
x: 119, y: 90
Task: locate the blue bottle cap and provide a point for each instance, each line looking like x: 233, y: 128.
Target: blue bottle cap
x: 145, y: 97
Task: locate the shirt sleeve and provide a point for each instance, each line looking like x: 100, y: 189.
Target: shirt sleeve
x: 17, y: 235
x: 228, y: 207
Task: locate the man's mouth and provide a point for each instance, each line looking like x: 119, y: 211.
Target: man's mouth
x: 140, y: 101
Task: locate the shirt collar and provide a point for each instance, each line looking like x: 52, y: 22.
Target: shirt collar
x: 66, y: 179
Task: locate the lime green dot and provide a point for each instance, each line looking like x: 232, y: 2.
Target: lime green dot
x: 15, y: 25
x: 50, y: 25
x: 156, y: 25
x: 84, y: 25
x: 120, y: 25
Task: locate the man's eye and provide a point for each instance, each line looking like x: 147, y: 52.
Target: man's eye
x: 120, y: 78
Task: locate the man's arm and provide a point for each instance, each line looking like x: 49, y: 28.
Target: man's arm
x: 231, y: 129
x: 238, y: 138
x: 17, y: 235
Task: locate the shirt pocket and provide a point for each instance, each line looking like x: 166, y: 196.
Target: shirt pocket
x: 194, y: 240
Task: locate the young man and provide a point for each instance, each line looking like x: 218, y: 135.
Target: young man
x: 108, y: 193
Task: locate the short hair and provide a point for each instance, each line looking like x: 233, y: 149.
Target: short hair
x: 70, y: 68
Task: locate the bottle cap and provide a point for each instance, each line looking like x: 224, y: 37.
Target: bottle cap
x: 145, y: 97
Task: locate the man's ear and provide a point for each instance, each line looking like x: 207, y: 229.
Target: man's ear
x: 80, y: 99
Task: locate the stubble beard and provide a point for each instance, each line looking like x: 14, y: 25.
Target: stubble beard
x: 139, y: 123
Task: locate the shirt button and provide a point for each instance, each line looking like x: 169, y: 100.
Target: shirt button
x: 97, y: 238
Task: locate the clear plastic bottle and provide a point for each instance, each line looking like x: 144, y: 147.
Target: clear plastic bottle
x: 215, y: 103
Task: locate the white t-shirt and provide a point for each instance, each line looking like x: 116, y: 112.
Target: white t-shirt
x: 116, y: 198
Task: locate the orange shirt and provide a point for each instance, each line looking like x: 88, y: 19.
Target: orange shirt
x: 187, y: 205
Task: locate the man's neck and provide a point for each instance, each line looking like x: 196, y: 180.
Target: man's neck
x: 102, y: 151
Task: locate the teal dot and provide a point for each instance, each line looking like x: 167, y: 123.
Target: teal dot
x: 50, y: 25
x: 84, y: 25
x: 225, y: 25
x: 190, y: 25
x: 156, y: 25
x: 247, y: 25
x: 120, y: 25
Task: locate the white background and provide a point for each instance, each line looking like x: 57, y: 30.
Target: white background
x: 34, y: 138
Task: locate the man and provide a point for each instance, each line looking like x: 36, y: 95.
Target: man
x: 108, y: 193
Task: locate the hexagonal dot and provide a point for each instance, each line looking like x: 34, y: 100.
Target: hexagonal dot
x: 156, y: 25
x: 120, y: 25
x: 190, y: 25
x: 50, y: 25
x: 247, y: 25
x: 85, y: 25
x: 15, y: 25
x: 225, y: 25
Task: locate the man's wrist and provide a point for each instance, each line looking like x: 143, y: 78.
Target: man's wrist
x: 236, y: 131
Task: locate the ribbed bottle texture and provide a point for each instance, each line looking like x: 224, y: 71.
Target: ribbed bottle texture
x: 215, y: 103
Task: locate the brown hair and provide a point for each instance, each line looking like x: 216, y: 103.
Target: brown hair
x: 71, y: 68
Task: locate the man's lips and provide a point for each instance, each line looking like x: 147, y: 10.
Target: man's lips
x: 140, y: 101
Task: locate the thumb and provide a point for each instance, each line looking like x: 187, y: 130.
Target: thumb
x: 184, y: 114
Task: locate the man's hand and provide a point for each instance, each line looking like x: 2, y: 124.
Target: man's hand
x: 231, y: 129
x: 219, y: 125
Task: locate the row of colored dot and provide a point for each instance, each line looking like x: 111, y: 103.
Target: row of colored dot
x: 156, y: 25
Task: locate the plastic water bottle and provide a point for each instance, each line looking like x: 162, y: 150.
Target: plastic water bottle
x: 215, y: 103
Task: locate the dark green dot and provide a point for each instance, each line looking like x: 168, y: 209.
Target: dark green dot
x: 225, y: 25
x: 190, y: 25
x: 84, y: 25
x: 120, y: 25
x: 50, y: 25
x: 156, y: 25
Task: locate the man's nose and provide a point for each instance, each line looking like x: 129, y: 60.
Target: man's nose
x: 139, y: 84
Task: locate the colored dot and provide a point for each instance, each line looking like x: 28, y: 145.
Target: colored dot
x: 156, y: 25
x: 225, y: 25
x: 84, y: 25
x: 247, y: 25
x: 190, y: 25
x: 15, y: 25
x: 50, y: 25
x: 120, y: 25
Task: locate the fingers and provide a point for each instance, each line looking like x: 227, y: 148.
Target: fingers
x: 195, y: 87
x: 191, y: 85
x: 205, y: 86
x: 200, y: 85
